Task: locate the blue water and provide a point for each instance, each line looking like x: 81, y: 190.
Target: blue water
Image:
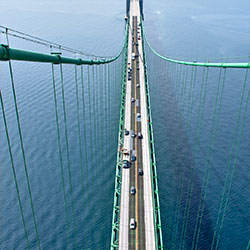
x: 190, y: 29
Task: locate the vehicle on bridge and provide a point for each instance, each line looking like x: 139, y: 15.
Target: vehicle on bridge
x: 132, y: 223
x: 125, y: 164
x: 133, y: 158
x: 140, y: 171
x: 140, y: 135
x: 133, y: 135
x: 132, y: 190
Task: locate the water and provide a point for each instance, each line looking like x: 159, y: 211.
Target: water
x: 174, y: 28
x: 192, y: 30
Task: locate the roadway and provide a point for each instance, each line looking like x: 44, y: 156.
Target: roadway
x: 140, y: 205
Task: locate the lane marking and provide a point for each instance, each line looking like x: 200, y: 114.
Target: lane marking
x: 136, y: 166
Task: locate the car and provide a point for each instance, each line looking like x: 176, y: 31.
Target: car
x: 132, y: 99
x: 132, y: 190
x: 129, y: 78
x: 137, y: 85
x: 138, y: 68
x: 133, y: 135
x: 140, y: 135
x: 133, y: 158
x: 139, y: 38
x: 132, y: 223
x: 140, y: 171
x: 138, y: 115
x: 125, y: 164
x: 126, y: 132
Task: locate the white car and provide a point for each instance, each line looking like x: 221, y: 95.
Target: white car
x: 132, y: 223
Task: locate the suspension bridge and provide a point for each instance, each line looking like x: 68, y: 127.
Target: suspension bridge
x: 91, y: 99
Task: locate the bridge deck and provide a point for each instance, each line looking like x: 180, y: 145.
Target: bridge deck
x: 140, y: 205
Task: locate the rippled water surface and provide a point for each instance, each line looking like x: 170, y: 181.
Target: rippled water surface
x: 193, y: 29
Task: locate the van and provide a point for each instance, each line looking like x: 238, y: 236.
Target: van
x: 132, y: 223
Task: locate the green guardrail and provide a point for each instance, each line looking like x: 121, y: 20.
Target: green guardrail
x: 118, y: 176
x: 154, y: 182
x: 195, y: 63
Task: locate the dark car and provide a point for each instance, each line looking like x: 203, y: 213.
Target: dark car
x: 133, y: 158
x: 140, y: 135
x: 125, y: 164
x: 140, y: 171
x: 126, y: 132
x: 133, y: 135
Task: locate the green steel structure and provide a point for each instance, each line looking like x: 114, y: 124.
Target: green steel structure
x: 7, y: 54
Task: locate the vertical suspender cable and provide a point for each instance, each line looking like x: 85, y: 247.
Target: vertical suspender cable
x: 109, y: 106
x: 14, y: 171
x: 184, y: 93
x: 22, y: 148
x: 190, y: 183
x: 79, y: 131
x: 192, y: 93
x: 60, y: 151
x: 85, y: 138
x: 90, y: 123
x: 229, y: 178
x: 67, y: 151
x: 208, y: 160
x: 203, y: 193
x: 197, y: 147
x: 189, y: 95
x: 94, y: 79
x: 106, y: 108
x: 248, y: 245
